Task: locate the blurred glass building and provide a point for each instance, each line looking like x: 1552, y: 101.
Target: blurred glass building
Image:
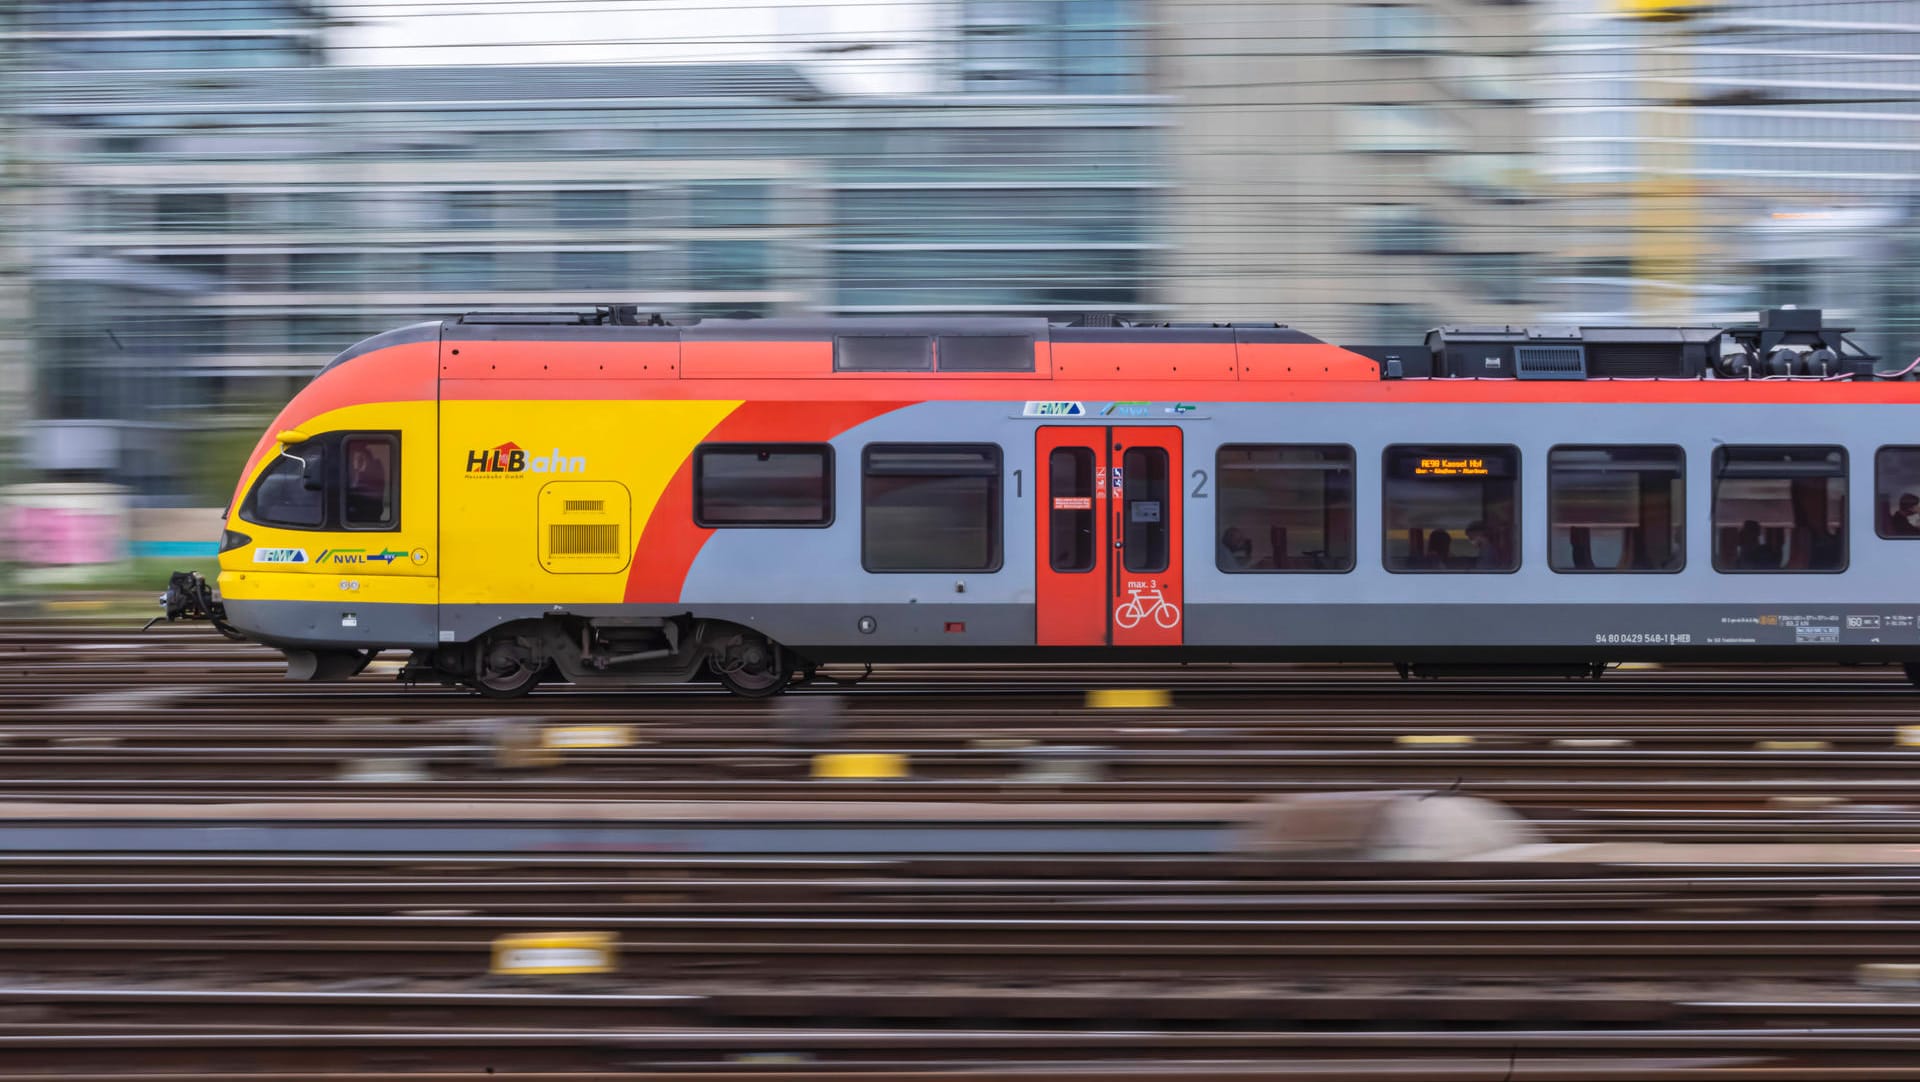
x: 210, y: 204
x: 1715, y: 158
x: 206, y: 238
x: 129, y: 35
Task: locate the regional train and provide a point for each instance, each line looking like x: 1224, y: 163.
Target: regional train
x: 612, y: 500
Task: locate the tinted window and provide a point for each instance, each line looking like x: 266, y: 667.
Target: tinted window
x: 373, y: 483
x: 1070, y: 516
x: 1284, y: 508
x: 1146, y: 508
x: 930, y: 507
x: 883, y: 353
x: 986, y: 353
x: 762, y: 485
x: 1779, y: 509
x: 282, y: 497
x: 1451, y: 508
x: 1616, y: 509
x: 1896, y: 486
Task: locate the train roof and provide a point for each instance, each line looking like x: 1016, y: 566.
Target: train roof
x: 1782, y: 344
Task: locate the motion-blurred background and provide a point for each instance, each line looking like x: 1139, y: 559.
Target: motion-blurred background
x: 202, y: 200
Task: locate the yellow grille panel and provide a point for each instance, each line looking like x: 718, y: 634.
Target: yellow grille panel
x: 573, y: 539
x: 585, y: 527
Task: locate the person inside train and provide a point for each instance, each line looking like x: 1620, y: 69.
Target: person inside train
x: 1235, y: 549
x: 1439, y: 550
x: 1903, y: 522
x: 1751, y: 552
x: 366, y: 487
x: 1485, y: 556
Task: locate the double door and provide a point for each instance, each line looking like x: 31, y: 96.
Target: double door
x: 1108, y: 571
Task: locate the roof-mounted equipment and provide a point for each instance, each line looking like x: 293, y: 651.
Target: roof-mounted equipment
x: 604, y: 315
x: 1787, y: 342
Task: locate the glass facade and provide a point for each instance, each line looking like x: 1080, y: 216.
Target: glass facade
x: 136, y: 35
x: 286, y: 214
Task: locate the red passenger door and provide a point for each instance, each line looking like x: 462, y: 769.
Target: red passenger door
x: 1108, y: 567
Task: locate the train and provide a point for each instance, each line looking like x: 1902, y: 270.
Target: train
x: 610, y: 499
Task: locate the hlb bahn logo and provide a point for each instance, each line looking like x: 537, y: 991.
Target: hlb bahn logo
x: 511, y: 460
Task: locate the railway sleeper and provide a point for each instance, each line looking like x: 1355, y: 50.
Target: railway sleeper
x: 514, y: 658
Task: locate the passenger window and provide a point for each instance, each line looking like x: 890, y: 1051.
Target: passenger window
x: 930, y: 507
x: 1284, y: 508
x: 1616, y: 509
x: 1451, y: 508
x: 373, y: 483
x: 743, y: 484
x: 1145, y: 497
x: 1896, y: 485
x: 1070, y: 529
x: 1780, y: 509
x: 290, y: 493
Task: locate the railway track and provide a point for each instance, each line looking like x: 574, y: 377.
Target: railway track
x: 354, y: 965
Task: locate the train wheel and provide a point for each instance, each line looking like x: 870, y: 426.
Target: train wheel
x: 753, y: 668
x: 506, y: 670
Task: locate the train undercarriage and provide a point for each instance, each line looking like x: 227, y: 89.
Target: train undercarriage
x: 513, y: 659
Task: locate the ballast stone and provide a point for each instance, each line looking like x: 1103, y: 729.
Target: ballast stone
x: 1384, y: 826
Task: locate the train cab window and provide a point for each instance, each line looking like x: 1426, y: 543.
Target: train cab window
x: 1144, y: 499
x: 1780, y: 509
x: 1616, y: 509
x: 930, y: 507
x: 1070, y: 498
x: 745, y: 484
x: 371, y: 493
x: 292, y: 492
x: 1896, y: 488
x: 1284, y: 508
x: 1451, y: 508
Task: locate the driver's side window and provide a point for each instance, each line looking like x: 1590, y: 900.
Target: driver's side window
x: 284, y: 496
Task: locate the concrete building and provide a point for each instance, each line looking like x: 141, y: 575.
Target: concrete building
x: 1725, y: 157
x: 1361, y: 170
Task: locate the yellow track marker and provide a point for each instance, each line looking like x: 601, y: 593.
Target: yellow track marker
x: 1907, y: 736
x: 560, y: 737
x: 1129, y: 699
x: 860, y: 765
x: 546, y: 953
x: 1888, y: 974
x: 1434, y: 740
x: 1793, y: 745
x: 1796, y: 800
x: 93, y: 604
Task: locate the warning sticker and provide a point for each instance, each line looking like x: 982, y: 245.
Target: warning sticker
x: 1073, y: 503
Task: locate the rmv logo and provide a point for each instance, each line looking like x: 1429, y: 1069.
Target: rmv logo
x: 510, y: 458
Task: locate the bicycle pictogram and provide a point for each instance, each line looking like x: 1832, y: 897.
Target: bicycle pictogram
x: 1146, y: 602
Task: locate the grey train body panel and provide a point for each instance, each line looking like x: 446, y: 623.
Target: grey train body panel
x: 817, y: 580
x: 336, y: 625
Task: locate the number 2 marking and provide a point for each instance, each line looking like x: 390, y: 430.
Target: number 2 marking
x: 1200, y: 484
